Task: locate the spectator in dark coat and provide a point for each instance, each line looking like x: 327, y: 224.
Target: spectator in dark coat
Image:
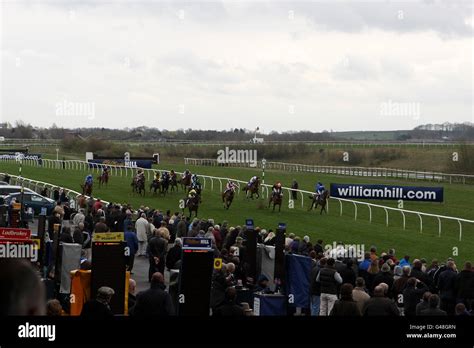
x: 157, y: 247
x: 78, y: 234
x: 424, y: 304
x: 433, y: 307
x: 65, y: 236
x: 182, y: 228
x: 315, y: 287
x: 318, y: 247
x: 447, y: 287
x: 379, y: 305
x: 229, y: 308
x: 418, y: 273
x: 154, y: 302
x: 132, y: 244
x: 100, y: 307
x: 346, y: 306
x: 399, y: 285
x: 173, y: 257
x: 101, y: 226
x: 412, y: 295
x: 465, y: 286
x: 384, y: 276
x: 219, y: 285
x: 347, y: 273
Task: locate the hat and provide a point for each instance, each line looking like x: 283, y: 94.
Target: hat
x: 306, y: 239
x: 239, y: 239
x: 385, y: 268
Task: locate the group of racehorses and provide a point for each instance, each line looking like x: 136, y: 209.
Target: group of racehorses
x: 171, y: 183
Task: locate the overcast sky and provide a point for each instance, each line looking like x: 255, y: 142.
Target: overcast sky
x: 309, y: 65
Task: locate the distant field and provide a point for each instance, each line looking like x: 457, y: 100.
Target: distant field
x: 416, y: 157
x: 459, y: 201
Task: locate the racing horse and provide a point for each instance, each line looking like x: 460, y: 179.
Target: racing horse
x: 138, y: 185
x: 86, y: 189
x: 252, y: 189
x: 227, y: 198
x: 276, y: 199
x: 321, y: 200
x: 193, y: 205
x: 165, y: 184
x: 185, y: 182
x: 173, y: 183
x: 103, y: 178
x: 155, y: 185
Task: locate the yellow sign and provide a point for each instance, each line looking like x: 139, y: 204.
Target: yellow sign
x: 217, y: 263
x: 36, y: 243
x: 108, y: 237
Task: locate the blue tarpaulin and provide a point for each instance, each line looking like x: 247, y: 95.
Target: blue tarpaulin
x: 298, y: 269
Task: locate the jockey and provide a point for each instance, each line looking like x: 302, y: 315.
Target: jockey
x: 89, y: 180
x: 185, y: 174
x: 105, y: 170
x: 165, y: 176
x: 191, y: 194
x: 195, y: 184
x: 157, y: 176
x: 230, y: 186
x: 276, y: 189
x: 252, y: 180
x: 140, y: 175
x: 172, y: 174
x: 319, y: 189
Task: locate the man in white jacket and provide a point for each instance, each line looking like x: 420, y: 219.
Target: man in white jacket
x: 141, y: 227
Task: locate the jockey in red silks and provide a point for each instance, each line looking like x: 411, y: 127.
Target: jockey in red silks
x: 230, y: 186
x: 276, y: 189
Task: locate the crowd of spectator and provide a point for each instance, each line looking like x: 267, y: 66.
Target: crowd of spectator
x: 376, y: 284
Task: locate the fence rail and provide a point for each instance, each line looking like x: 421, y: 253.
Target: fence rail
x: 390, y: 173
x: 213, y: 181
x: 37, y: 186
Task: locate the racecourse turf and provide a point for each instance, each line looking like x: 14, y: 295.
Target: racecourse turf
x: 331, y: 227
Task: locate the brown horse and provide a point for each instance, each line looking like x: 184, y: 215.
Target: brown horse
x: 253, y: 189
x: 138, y: 185
x: 155, y: 186
x: 103, y: 178
x: 227, y: 198
x: 185, y: 182
x: 86, y: 189
x: 276, y: 199
x: 173, y: 183
x: 193, y: 205
x: 321, y: 200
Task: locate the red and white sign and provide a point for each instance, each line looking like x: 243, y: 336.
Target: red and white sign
x: 14, y: 233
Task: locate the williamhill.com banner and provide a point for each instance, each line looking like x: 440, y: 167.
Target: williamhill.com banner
x: 407, y: 193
